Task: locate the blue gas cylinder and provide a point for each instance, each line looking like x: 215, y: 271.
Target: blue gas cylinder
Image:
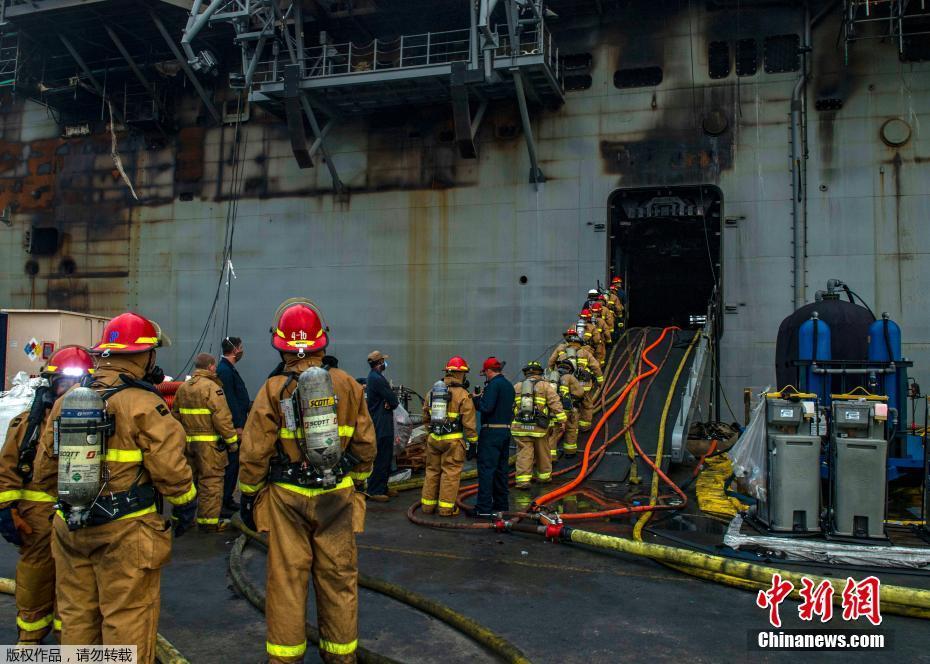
x: 813, y: 345
x: 885, y: 346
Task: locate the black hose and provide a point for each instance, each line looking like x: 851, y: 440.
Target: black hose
x: 505, y: 650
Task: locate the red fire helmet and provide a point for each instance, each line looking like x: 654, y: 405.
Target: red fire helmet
x: 299, y: 327
x: 130, y: 333
x: 69, y: 361
x: 456, y: 363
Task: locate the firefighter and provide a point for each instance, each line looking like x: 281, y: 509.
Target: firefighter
x: 597, y: 317
x: 617, y: 294
x: 588, y: 373
x: 450, y: 414
x: 537, y: 408
x: 608, y: 314
x: 306, y: 451
x: 27, y: 506
x: 200, y: 405
x: 593, y: 335
x: 572, y: 392
x: 109, y: 550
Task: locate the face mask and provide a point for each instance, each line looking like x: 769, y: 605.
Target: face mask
x: 384, y: 365
x: 62, y: 385
x: 466, y: 384
x: 155, y: 376
x: 239, y: 355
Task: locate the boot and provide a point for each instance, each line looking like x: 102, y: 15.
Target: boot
x: 220, y: 527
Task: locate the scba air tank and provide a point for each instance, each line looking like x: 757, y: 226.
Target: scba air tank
x: 322, y: 445
x: 79, y: 436
x: 885, y: 346
x: 814, y: 345
x: 439, y: 403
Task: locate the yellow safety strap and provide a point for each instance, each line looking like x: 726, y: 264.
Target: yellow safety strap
x: 544, y: 476
x: 528, y: 434
x: 359, y: 476
x: 203, y: 438
x: 472, y: 439
x: 345, y: 483
x: 56, y: 624
x: 600, y: 379
x: 276, y: 650
x: 132, y: 515
x: 569, y: 446
x: 184, y: 498
x: 584, y: 423
x: 251, y: 488
x: 427, y: 501
x: 448, y: 436
x: 207, y: 522
x: 452, y: 416
x: 559, y: 417
x: 38, y: 496
x: 338, y: 648
x: 443, y: 504
x: 124, y: 456
x: 195, y: 411
x: 13, y: 494
x: 523, y: 478
x: 232, y: 439
x: 36, y: 625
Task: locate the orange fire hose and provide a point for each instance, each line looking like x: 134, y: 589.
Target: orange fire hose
x: 597, y: 455
x: 583, y: 474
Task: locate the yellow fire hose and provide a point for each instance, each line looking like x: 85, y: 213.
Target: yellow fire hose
x: 900, y: 600
x: 506, y: 651
x: 165, y: 653
x: 654, y: 491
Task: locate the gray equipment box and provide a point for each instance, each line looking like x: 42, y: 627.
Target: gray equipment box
x: 792, y: 501
x: 859, y: 456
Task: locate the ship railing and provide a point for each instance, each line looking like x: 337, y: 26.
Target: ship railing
x: 534, y: 41
x: 405, y: 52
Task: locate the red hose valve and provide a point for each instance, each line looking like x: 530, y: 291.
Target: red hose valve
x: 554, y: 532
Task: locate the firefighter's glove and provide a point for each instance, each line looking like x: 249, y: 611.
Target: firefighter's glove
x: 183, y: 516
x: 471, y: 450
x: 247, y: 511
x: 8, y: 527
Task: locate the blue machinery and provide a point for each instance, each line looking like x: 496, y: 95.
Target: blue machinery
x: 883, y: 372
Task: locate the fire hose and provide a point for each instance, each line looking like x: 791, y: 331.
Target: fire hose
x: 509, y: 519
x: 473, y: 474
x: 165, y: 653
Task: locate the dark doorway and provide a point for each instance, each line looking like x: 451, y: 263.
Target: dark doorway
x: 665, y: 243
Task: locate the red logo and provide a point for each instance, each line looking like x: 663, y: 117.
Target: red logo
x: 770, y: 599
x: 91, y: 454
x: 860, y: 599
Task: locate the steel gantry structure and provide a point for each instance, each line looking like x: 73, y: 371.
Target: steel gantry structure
x: 503, y: 49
